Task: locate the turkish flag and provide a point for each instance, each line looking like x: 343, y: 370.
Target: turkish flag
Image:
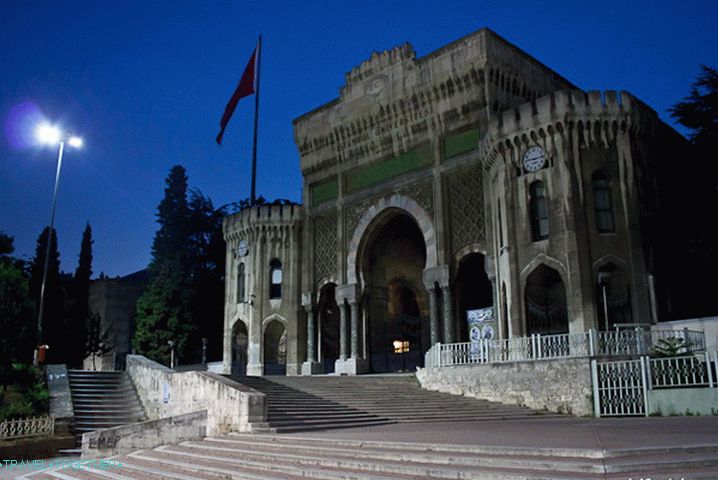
x: 246, y: 87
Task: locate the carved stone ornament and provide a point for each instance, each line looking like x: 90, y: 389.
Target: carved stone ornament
x: 376, y: 85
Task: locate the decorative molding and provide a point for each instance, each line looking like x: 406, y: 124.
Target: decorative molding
x: 325, y: 245
x: 466, y: 207
x: 422, y: 193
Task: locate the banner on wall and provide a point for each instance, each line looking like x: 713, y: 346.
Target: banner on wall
x: 482, y: 326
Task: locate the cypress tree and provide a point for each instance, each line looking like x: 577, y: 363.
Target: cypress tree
x: 79, y: 313
x: 208, y: 263
x: 164, y: 309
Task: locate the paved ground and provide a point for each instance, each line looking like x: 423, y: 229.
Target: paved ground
x: 605, y: 434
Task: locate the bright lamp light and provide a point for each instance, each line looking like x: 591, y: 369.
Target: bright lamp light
x: 48, y: 134
x: 75, y: 142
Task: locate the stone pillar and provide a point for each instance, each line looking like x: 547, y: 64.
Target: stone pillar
x: 433, y: 316
x: 433, y: 277
x: 311, y: 365
x: 357, y: 363
x: 311, y: 337
x: 354, y: 329
x: 342, y: 331
x: 448, y: 314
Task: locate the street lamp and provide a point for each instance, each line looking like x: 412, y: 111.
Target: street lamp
x: 52, y: 135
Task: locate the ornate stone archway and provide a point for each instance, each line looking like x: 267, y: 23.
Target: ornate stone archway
x: 374, y: 213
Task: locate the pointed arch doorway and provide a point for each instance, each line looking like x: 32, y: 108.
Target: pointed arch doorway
x: 395, y: 300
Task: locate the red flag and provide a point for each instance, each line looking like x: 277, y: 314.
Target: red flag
x: 246, y: 87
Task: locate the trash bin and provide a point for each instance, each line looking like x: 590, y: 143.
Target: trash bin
x: 41, y: 352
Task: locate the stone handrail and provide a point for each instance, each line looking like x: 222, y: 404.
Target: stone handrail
x: 27, y: 427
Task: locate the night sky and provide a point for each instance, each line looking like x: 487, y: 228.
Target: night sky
x: 145, y: 83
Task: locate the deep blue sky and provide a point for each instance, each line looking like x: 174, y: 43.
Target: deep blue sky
x: 145, y: 83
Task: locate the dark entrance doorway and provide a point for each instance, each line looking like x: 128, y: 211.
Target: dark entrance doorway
x: 328, y: 312
x: 275, y: 348
x: 395, y: 297
x: 613, y: 297
x: 240, y: 340
x: 545, y: 298
x: 473, y: 290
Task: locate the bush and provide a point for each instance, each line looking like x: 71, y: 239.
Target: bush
x: 26, y: 395
x: 670, y: 347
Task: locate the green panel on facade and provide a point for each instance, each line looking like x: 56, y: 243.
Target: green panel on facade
x: 460, y: 143
x: 373, y: 174
x: 322, y: 192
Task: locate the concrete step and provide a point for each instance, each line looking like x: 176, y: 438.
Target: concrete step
x: 103, y: 400
x: 291, y: 457
x: 343, y: 461
x: 320, y: 401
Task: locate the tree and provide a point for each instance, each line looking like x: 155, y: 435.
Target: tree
x: 164, y: 309
x: 79, y: 310
x: 207, y: 248
x: 98, y: 340
x: 17, y: 312
x: 699, y: 189
x: 699, y: 110
x: 53, y: 321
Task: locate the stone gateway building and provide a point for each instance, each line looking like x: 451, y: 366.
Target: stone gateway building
x: 435, y: 188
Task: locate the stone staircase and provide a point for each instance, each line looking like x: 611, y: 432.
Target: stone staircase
x: 287, y: 457
x: 102, y: 400
x: 322, y: 402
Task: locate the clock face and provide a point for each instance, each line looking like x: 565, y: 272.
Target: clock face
x: 534, y: 159
x: 242, y: 248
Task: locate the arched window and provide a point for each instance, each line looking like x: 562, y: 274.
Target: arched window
x: 602, y: 202
x: 275, y: 279
x: 240, y: 283
x: 539, y: 211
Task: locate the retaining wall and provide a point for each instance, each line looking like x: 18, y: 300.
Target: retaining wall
x: 562, y: 385
x: 143, y: 435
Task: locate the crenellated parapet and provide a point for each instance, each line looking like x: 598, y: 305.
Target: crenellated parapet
x: 380, y: 61
x: 263, y: 220
x: 596, y: 118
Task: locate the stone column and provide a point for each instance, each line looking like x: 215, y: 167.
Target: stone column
x: 357, y: 363
x: 435, y: 278
x: 433, y: 316
x: 448, y: 314
x: 342, y: 331
x: 311, y: 337
x: 311, y: 365
x: 355, y: 329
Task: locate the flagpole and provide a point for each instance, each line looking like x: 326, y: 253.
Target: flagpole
x: 256, y: 122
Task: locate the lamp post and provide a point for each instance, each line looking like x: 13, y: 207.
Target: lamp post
x: 50, y: 135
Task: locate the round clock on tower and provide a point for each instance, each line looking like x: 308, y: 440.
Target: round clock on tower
x: 534, y: 159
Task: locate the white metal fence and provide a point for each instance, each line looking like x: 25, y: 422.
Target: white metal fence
x: 569, y: 345
x: 27, y: 427
x: 620, y: 387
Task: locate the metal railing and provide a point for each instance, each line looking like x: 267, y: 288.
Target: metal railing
x: 684, y: 371
x: 567, y: 345
x: 27, y: 427
x: 620, y: 387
